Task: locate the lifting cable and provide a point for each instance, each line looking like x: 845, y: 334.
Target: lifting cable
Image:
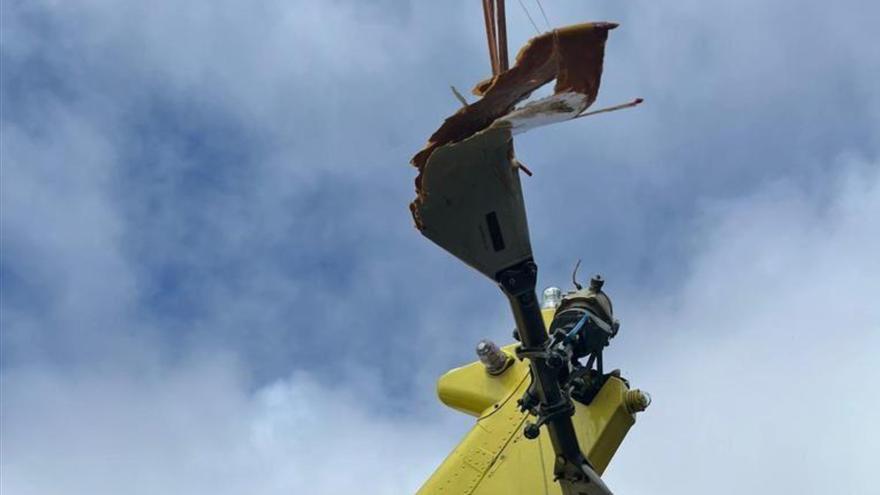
x: 496, y: 34
x: 489, y: 17
x: 526, y: 12
x: 544, y: 14
x: 496, y: 30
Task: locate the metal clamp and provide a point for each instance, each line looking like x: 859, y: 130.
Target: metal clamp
x: 546, y: 413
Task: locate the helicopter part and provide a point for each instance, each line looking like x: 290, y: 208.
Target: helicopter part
x: 494, y: 457
x: 554, y: 406
x: 637, y: 400
x: 582, y: 326
x: 585, y: 322
x: 572, y: 55
x: 475, y: 206
x: 551, y: 297
x: 494, y: 359
x: 469, y: 201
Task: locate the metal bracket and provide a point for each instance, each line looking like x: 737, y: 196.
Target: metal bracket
x: 547, y: 413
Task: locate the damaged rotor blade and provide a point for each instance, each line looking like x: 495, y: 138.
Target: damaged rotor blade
x: 572, y: 55
x: 475, y: 209
x: 469, y: 198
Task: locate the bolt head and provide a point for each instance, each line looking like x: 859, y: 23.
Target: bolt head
x: 531, y: 431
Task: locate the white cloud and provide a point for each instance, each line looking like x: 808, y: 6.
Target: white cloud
x: 762, y: 364
x: 62, y: 233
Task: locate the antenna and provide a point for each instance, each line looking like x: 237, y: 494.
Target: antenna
x: 574, y: 275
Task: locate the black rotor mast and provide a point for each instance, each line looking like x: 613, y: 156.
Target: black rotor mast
x: 554, y: 406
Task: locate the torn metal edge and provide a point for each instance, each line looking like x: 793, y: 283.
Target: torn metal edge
x: 572, y: 55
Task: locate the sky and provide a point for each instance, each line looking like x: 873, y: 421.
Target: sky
x: 210, y: 282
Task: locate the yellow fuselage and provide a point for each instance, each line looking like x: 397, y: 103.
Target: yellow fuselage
x: 494, y: 458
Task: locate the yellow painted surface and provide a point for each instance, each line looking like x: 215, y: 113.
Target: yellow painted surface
x: 547, y: 314
x: 494, y: 458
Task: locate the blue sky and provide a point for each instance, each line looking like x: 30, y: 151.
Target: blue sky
x: 206, y: 242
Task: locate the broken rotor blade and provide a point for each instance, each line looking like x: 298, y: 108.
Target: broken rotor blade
x: 474, y: 208
x: 469, y: 199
